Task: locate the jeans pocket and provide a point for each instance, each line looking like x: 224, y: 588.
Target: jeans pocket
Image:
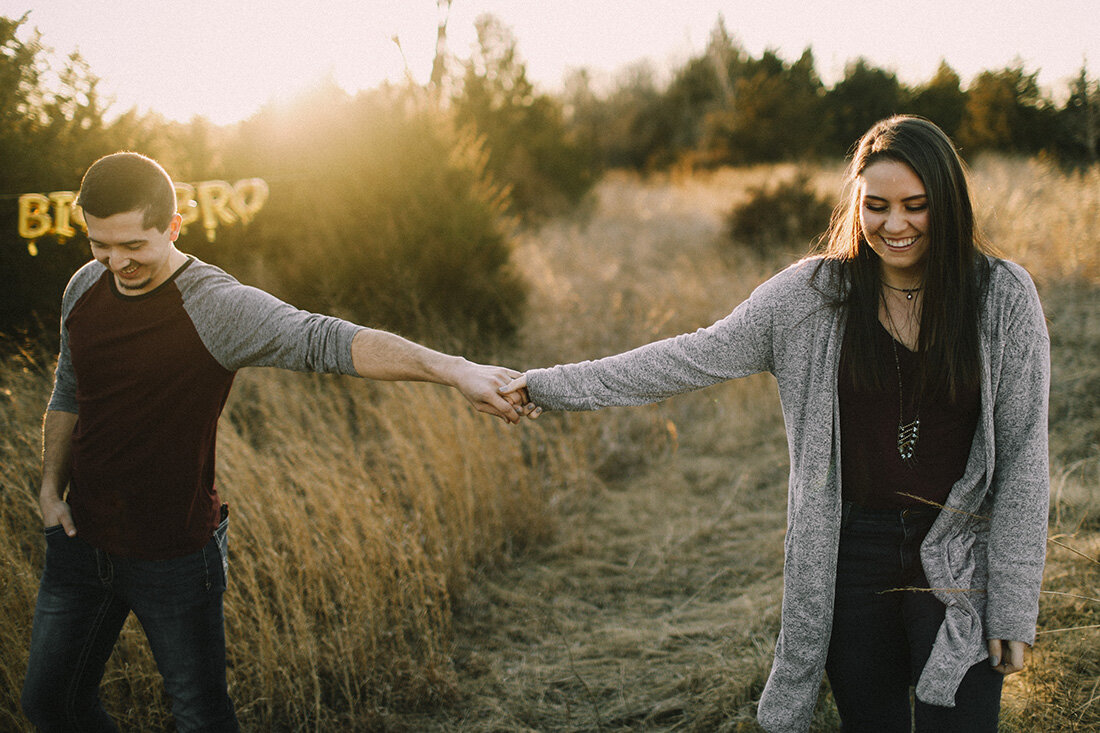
x: 56, y: 536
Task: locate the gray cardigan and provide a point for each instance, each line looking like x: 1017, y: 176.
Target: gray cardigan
x: 984, y: 555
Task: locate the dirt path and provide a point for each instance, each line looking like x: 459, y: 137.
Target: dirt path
x: 655, y: 608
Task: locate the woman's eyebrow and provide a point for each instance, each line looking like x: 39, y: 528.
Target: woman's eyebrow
x: 907, y: 198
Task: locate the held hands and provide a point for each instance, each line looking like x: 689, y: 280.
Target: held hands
x: 516, y: 393
x: 1007, y: 657
x: 490, y: 389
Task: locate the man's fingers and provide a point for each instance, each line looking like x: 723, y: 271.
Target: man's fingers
x: 57, y: 511
x: 506, y: 397
x: 68, y: 524
x: 517, y: 399
x: 502, y: 408
x: 512, y: 411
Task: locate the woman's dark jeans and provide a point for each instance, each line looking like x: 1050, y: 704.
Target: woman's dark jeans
x: 86, y: 595
x: 883, y: 636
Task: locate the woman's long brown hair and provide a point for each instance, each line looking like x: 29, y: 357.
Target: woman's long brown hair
x: 955, y: 266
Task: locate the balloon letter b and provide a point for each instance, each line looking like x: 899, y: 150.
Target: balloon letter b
x: 34, y: 215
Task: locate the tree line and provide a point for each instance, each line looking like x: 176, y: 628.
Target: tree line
x: 394, y: 205
x: 726, y: 107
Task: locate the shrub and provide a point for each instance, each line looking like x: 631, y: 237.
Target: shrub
x: 379, y: 211
x: 785, y: 214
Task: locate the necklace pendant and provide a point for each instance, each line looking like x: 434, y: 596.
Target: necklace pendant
x: 909, y: 295
x: 907, y: 439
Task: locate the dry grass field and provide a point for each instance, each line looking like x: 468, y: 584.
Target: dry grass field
x: 358, y: 513
x: 400, y: 563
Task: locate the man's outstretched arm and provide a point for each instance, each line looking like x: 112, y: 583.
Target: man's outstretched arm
x: 244, y: 326
x: 386, y: 356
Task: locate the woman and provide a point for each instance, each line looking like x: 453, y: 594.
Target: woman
x: 913, y: 369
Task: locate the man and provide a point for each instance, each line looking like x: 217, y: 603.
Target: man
x: 151, y: 339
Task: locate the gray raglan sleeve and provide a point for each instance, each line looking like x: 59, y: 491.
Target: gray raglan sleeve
x: 738, y: 345
x: 63, y: 397
x: 244, y: 326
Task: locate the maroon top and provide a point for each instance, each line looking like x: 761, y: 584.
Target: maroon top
x: 135, y: 401
x: 147, y: 376
x: 873, y: 472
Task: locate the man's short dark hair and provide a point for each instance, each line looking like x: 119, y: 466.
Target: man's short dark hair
x: 126, y: 181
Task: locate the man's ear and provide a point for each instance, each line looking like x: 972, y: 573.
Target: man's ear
x: 174, y: 227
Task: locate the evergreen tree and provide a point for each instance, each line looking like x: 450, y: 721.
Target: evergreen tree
x: 1080, y: 118
x: 639, y: 127
x: 1006, y: 111
x: 774, y: 113
x: 941, y: 99
x: 524, y: 131
x: 864, y: 96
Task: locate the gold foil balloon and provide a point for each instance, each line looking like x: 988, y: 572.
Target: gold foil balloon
x: 214, y: 202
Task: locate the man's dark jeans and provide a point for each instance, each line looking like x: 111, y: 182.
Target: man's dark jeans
x: 881, y: 640
x: 84, y: 598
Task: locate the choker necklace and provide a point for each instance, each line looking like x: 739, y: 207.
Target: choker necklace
x: 908, y: 291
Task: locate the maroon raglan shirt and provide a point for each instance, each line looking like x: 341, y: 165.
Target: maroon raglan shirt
x: 148, y: 376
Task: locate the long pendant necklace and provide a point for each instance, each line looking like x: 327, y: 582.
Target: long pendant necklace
x: 908, y: 433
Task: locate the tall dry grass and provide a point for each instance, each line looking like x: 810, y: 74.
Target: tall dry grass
x: 644, y: 263
x: 1042, y: 217
x: 358, y: 512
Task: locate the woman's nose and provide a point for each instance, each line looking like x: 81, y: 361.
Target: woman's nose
x: 896, y: 221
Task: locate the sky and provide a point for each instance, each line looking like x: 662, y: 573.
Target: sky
x: 224, y: 59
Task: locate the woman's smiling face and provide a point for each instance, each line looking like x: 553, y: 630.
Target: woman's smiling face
x: 893, y: 215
